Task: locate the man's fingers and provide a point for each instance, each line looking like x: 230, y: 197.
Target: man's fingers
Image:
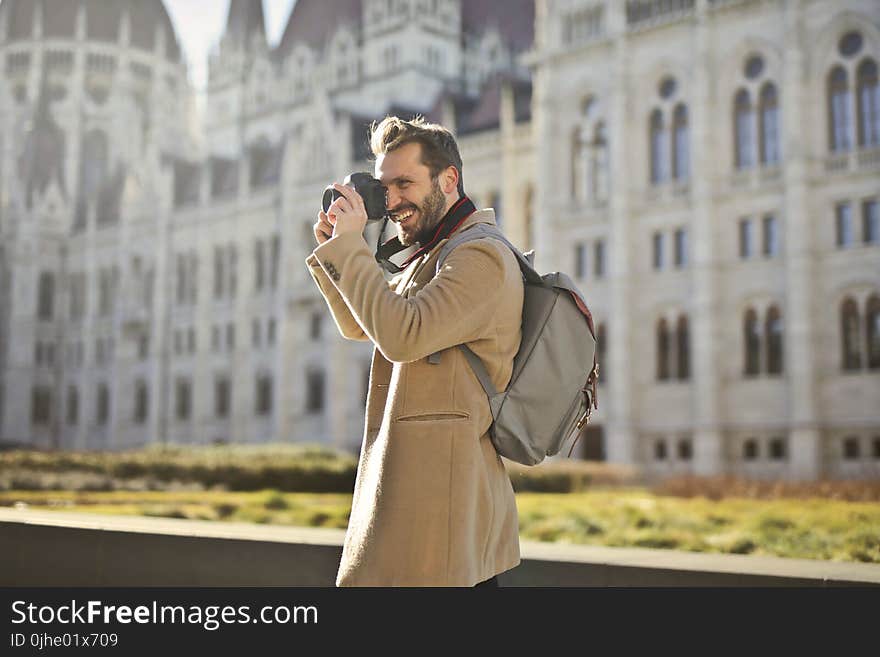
x: 351, y: 195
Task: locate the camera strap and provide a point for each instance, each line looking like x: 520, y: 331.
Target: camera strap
x: 450, y: 222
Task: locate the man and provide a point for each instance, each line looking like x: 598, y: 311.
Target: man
x: 432, y: 505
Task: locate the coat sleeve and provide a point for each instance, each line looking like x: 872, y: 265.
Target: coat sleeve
x: 455, y: 307
x: 345, y: 322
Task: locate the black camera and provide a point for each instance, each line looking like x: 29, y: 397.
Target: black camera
x: 372, y: 191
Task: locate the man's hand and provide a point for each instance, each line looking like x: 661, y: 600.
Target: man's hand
x: 323, y: 228
x: 347, y: 214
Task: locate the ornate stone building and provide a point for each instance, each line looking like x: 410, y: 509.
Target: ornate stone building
x: 711, y: 171
x: 152, y: 277
x: 708, y: 169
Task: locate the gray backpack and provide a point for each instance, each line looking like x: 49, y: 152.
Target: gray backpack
x: 552, y: 389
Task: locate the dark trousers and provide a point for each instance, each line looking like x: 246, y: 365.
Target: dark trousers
x: 491, y: 583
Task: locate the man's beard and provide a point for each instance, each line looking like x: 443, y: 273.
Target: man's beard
x: 430, y: 214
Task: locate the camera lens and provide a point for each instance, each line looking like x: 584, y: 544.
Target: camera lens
x: 330, y: 195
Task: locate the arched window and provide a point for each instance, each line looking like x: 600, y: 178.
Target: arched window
x: 600, y: 163
x: 851, y: 448
x: 849, y: 332
x: 773, y: 338
x: 102, y: 406
x: 769, y: 126
x: 751, y: 344
x: 872, y: 330
x: 742, y: 126
x: 659, y: 148
x: 46, y: 296
x: 681, y: 166
x: 578, y: 165
x: 601, y: 351
x: 141, y: 402
x: 663, y: 351
x: 839, y: 110
x: 315, y: 391
x: 72, y: 405
x: 683, y: 351
x: 868, y: 99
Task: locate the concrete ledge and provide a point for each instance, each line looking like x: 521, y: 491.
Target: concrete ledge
x: 56, y: 548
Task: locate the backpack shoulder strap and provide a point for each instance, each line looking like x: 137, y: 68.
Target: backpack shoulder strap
x: 480, y: 231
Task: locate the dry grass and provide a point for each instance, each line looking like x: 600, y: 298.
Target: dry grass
x: 717, y: 488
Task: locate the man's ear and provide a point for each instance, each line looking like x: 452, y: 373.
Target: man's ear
x: 449, y: 179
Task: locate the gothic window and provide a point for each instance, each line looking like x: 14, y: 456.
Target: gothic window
x: 315, y: 327
x: 181, y: 278
x: 745, y: 239
x: 102, y: 405
x: 743, y: 121
x: 314, y: 391
x: 851, y: 448
x: 259, y: 264
x: 683, y: 349
x: 599, y: 258
x: 264, y: 394
x: 872, y: 331
x: 580, y: 260
x: 274, y: 260
x: 265, y: 164
x: 844, y: 224
x: 182, y: 399
x: 659, y: 148
x: 141, y: 402
x: 750, y: 450
x: 601, y: 351
x: 270, y: 331
x: 46, y: 296
x: 41, y: 406
x: 751, y: 343
x: 850, y: 338
x: 219, y: 272
x: 232, y: 265
x: 255, y: 332
x: 589, y: 166
x: 771, y: 236
x: 193, y: 278
x: 681, y: 250
x: 773, y: 338
x: 685, y: 449
x: 660, y: 450
x: 871, y: 221
x: 658, y: 251
x: 778, y: 449
x: 230, y: 336
x: 221, y: 397
x: 663, y: 350
x: 72, y: 405
x: 680, y: 153
x: 768, y: 113
x: 868, y: 99
x: 839, y: 110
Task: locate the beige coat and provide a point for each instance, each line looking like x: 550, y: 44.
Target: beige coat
x: 433, y: 504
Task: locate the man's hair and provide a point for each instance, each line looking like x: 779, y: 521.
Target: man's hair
x: 439, y: 149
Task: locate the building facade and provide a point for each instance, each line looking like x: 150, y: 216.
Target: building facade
x: 709, y: 171
x: 716, y: 166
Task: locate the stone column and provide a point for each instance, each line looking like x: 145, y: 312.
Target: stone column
x: 801, y: 276
x: 705, y: 307
x: 621, y: 434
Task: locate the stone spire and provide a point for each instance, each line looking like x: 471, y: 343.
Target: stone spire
x: 244, y: 19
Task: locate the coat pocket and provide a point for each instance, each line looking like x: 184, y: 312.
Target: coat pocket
x: 434, y: 417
